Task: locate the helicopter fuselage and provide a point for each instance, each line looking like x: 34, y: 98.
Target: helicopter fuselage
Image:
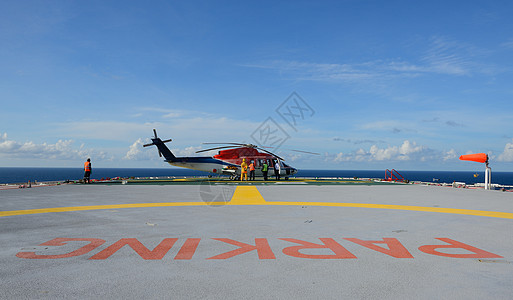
x: 230, y: 163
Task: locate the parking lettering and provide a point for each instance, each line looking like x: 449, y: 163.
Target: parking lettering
x: 329, y: 249
x: 188, y: 249
x: 477, y: 253
x: 145, y: 253
x: 93, y: 244
x: 261, y: 246
x: 339, y: 252
x: 395, y: 248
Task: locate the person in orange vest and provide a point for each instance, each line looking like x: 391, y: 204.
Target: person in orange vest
x: 87, y: 171
x: 252, y: 171
x: 243, y: 170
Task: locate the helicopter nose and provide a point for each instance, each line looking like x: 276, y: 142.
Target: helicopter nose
x: 293, y: 170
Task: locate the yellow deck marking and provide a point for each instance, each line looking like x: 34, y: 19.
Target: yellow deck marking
x: 249, y: 195
x: 459, y: 211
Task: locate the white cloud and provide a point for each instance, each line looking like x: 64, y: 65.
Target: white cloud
x: 61, y: 150
x: 191, y: 151
x: 447, y: 57
x: 167, y: 113
x: 449, y: 155
x: 186, y: 133
x: 407, y: 151
x: 389, y: 125
x: 403, y: 152
x: 507, y: 154
x: 172, y: 115
x: 337, y: 72
x: 191, y: 130
x: 442, y: 56
x: 108, y: 130
x: 339, y: 157
x: 136, y: 152
x: 508, y: 44
x: 294, y: 157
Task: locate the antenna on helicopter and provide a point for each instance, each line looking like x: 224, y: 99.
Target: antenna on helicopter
x: 157, y: 139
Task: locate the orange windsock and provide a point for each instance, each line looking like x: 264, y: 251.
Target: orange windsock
x: 478, y: 157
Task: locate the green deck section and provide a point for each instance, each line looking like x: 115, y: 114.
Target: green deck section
x: 291, y: 181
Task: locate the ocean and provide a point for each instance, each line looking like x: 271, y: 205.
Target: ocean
x: 19, y: 175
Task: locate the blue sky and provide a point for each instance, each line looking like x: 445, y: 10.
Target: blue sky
x: 388, y: 84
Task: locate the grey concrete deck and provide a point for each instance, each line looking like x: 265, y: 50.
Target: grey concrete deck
x: 203, y: 249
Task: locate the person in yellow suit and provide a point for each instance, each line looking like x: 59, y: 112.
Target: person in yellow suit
x: 243, y: 170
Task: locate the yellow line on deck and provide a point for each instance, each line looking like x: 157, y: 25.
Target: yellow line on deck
x: 249, y: 195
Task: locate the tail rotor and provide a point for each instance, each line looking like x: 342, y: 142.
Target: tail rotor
x: 155, y: 140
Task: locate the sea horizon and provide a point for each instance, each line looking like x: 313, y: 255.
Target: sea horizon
x: 13, y: 175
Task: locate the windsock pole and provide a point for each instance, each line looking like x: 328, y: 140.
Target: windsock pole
x: 488, y: 178
x: 481, y: 158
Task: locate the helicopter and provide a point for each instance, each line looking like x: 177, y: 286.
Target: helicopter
x: 226, y: 162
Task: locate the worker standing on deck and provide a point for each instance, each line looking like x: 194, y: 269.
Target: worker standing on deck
x: 265, y: 168
x: 277, y: 169
x: 252, y: 171
x: 87, y: 171
x: 243, y: 170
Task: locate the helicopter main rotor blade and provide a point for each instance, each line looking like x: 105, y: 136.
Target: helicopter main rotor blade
x: 238, y: 144
x: 307, y: 152
x: 302, y: 151
x: 252, y: 146
x: 205, y: 150
x: 243, y: 145
x: 269, y: 152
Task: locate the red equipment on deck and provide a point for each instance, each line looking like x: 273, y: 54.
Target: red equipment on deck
x: 393, y: 175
